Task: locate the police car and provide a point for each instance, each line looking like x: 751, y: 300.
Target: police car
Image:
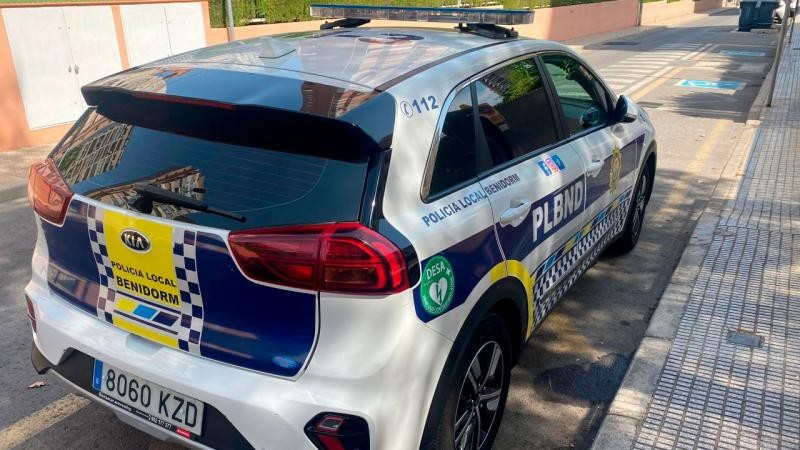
x: 338, y: 239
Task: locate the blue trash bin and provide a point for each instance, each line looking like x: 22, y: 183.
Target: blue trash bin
x: 756, y: 14
x: 747, y: 14
x: 765, y: 13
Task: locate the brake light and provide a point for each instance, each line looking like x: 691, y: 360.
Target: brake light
x: 48, y: 192
x: 329, y: 431
x: 337, y: 257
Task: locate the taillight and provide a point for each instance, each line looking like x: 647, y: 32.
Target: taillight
x: 330, y: 431
x: 337, y: 257
x: 48, y: 192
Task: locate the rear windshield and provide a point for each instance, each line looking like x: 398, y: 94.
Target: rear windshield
x: 103, y: 160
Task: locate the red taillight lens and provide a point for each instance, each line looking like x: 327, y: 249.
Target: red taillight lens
x: 340, y: 257
x: 329, y: 431
x: 48, y: 193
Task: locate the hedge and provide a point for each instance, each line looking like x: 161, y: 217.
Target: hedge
x: 276, y: 11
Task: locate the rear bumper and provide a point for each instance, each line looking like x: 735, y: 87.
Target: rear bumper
x: 219, y: 432
x: 381, y: 370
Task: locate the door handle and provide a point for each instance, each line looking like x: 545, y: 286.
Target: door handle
x: 69, y: 69
x: 77, y: 69
x: 595, y: 167
x: 515, y: 214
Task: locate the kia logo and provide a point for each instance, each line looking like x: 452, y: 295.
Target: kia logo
x: 135, y: 240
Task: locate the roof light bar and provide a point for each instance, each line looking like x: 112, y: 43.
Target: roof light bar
x: 418, y: 14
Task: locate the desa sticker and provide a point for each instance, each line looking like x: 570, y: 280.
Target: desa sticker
x: 437, y: 286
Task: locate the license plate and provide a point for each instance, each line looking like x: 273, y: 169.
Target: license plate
x: 176, y: 412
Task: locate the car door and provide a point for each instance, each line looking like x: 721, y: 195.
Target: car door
x: 456, y: 233
x: 535, y: 185
x: 610, y: 151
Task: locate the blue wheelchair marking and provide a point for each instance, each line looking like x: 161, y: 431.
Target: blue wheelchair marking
x: 702, y: 84
x: 745, y: 53
x: 97, y: 376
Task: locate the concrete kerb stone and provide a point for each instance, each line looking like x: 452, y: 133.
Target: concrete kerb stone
x: 628, y: 409
x: 633, y: 397
x: 754, y: 115
x: 620, y: 432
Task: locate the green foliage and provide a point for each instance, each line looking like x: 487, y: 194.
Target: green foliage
x: 270, y: 11
x: 523, y: 78
x: 277, y: 11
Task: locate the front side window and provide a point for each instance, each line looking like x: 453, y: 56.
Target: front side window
x: 579, y: 92
x: 456, y: 157
x: 514, y: 111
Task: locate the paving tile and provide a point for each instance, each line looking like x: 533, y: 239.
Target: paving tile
x: 713, y: 394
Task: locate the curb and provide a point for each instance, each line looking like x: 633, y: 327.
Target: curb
x: 629, y: 407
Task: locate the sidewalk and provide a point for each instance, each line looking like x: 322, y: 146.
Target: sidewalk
x: 720, y: 364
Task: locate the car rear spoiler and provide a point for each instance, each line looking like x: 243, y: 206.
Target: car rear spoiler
x: 246, y: 125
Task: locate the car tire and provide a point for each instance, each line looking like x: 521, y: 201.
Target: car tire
x: 485, y: 358
x: 633, y: 223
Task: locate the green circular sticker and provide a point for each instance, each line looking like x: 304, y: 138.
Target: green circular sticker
x: 437, y: 286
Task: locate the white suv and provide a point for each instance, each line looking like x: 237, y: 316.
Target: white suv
x: 328, y: 240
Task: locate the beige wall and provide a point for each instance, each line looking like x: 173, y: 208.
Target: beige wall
x: 562, y: 23
x: 569, y: 22
x: 657, y: 12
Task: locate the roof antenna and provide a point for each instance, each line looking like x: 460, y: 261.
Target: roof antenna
x: 272, y: 48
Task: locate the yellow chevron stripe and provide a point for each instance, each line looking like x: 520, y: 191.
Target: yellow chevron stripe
x: 145, y: 332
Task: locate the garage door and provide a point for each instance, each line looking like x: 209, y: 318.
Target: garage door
x: 160, y: 30
x: 55, y: 51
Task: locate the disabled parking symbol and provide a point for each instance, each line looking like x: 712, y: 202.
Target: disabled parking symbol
x: 744, y: 53
x: 703, y: 84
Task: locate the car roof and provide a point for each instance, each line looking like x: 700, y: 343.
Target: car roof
x: 367, y: 57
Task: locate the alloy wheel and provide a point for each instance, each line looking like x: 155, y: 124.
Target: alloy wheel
x: 639, y: 206
x: 479, y: 398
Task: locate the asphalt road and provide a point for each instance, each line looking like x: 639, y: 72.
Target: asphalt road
x: 572, y: 366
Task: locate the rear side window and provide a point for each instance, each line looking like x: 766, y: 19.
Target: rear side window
x: 103, y: 160
x: 455, y: 158
x: 514, y: 111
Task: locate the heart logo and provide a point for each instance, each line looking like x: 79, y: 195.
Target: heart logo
x: 438, y: 291
x: 437, y: 286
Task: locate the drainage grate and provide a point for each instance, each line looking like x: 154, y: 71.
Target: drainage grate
x: 744, y: 338
x: 620, y: 43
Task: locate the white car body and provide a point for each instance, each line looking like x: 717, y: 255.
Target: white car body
x: 381, y: 358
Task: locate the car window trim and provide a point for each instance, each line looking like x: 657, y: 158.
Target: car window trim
x: 555, y: 103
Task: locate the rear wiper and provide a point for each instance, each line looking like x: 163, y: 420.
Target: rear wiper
x: 149, y: 193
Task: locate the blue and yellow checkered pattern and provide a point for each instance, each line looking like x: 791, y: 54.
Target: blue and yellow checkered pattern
x: 564, y: 266
x: 181, y: 328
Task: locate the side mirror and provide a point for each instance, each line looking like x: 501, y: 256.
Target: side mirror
x: 625, y: 111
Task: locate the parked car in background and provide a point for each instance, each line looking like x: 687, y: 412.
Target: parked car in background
x: 781, y: 10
